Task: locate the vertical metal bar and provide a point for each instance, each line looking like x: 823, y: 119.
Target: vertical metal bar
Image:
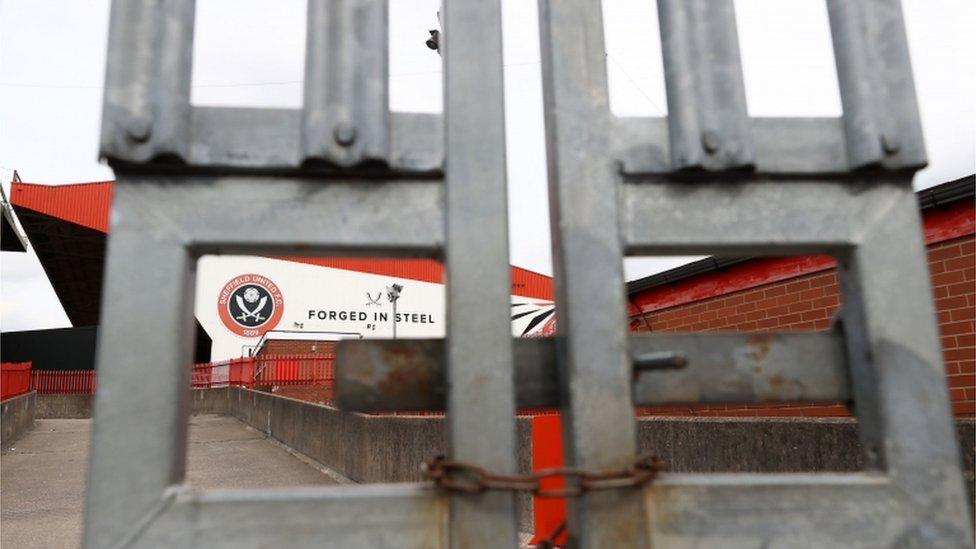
x: 877, y: 91
x: 599, y: 427
x: 861, y: 366
x: 707, y: 115
x: 481, y: 400
x: 918, y: 435
x: 346, y: 117
x: 146, y: 111
x: 145, y: 347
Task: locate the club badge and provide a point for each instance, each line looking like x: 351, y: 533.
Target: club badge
x: 250, y: 305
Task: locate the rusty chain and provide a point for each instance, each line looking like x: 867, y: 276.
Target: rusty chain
x: 465, y: 477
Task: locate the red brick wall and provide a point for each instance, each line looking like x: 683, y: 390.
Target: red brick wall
x: 807, y: 302
x: 297, y: 347
x: 953, y: 267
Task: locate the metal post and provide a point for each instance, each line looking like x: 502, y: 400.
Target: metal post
x: 481, y: 400
x: 598, y: 416
x: 144, y: 352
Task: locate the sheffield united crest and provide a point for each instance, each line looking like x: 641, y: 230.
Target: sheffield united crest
x: 250, y: 305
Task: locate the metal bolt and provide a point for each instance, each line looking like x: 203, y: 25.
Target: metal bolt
x: 890, y: 143
x: 139, y: 128
x: 661, y: 360
x: 434, y: 42
x: 344, y: 134
x: 711, y: 141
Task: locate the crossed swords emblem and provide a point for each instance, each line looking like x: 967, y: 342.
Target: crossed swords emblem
x: 247, y: 313
x: 374, y: 301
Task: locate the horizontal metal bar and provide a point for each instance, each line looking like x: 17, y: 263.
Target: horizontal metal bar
x: 790, y: 510
x: 373, y: 515
x: 270, y: 140
x: 768, y: 367
x: 404, y: 374
x: 238, y: 214
x: 771, y: 216
x: 391, y: 375
x: 781, y: 145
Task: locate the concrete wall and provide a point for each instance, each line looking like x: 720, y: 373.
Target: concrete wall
x: 368, y: 448
x: 78, y: 406
x: 16, y: 417
x: 210, y: 401
x: 360, y: 447
x: 770, y: 445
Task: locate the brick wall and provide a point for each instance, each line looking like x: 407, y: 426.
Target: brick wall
x: 297, y: 347
x: 808, y: 302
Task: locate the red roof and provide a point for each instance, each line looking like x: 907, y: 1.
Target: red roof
x: 88, y: 204
x: 85, y: 204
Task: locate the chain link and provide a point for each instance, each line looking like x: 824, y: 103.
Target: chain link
x: 459, y: 476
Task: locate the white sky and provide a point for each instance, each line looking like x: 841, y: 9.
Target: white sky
x: 250, y: 53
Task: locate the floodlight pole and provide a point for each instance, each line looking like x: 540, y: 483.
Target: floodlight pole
x: 393, y: 294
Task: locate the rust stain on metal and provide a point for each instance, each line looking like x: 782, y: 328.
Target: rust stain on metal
x: 759, y: 346
x: 405, y: 371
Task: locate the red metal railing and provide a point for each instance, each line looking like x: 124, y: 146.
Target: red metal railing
x: 14, y: 379
x: 266, y: 370
x: 294, y: 369
x: 246, y: 372
x: 63, y: 381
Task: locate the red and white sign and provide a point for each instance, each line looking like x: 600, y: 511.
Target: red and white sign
x: 250, y: 304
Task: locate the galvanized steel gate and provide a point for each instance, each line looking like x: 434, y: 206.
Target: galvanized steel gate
x: 343, y: 175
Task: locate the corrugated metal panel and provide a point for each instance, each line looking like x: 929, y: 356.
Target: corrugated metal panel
x: 425, y: 270
x: 525, y: 283
x: 85, y: 204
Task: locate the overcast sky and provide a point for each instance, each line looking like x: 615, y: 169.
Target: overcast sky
x: 251, y: 53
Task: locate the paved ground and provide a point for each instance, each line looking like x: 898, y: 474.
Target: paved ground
x: 42, y: 478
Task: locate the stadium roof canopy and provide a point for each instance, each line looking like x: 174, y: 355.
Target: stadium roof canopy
x: 67, y: 225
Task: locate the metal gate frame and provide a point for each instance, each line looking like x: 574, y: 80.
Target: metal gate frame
x: 710, y: 179
x: 344, y: 175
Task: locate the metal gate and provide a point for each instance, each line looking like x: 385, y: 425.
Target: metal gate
x: 344, y: 175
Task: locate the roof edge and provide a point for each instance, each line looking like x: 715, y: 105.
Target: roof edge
x: 937, y: 196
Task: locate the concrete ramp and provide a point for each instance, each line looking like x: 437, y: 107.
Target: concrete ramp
x: 42, y: 477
